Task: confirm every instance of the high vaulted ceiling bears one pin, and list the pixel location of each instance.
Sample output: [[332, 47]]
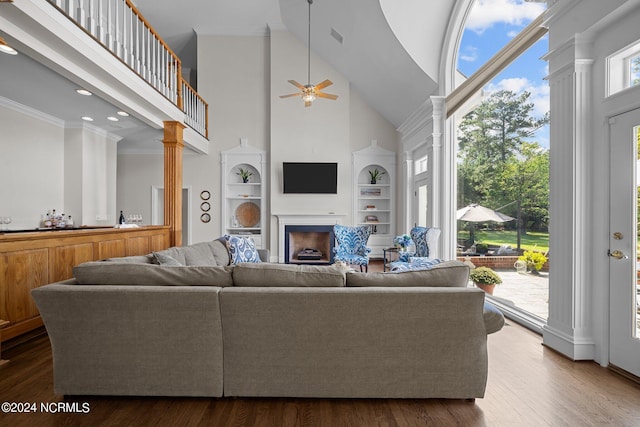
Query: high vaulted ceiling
[[391, 51]]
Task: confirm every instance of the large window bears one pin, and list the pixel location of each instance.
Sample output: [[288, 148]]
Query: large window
[[503, 161], [623, 69]]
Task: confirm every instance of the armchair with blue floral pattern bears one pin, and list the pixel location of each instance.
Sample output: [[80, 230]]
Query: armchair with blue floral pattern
[[425, 239], [351, 245]]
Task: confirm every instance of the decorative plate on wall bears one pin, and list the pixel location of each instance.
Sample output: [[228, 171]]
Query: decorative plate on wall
[[205, 217], [248, 214], [205, 195]]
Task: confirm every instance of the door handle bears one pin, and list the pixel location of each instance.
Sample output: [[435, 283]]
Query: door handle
[[617, 254]]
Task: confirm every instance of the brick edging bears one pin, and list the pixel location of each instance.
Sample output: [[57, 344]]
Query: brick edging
[[497, 262]]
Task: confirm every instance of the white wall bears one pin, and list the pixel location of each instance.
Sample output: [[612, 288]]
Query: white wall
[[45, 165], [320, 133], [90, 175], [582, 35], [241, 77], [137, 173], [31, 167]]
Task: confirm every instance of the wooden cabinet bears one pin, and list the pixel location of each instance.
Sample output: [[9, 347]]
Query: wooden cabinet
[[29, 260]]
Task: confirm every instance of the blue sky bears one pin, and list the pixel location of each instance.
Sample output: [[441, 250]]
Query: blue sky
[[490, 26]]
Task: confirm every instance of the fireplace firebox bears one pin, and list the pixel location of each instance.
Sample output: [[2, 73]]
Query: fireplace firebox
[[308, 244]]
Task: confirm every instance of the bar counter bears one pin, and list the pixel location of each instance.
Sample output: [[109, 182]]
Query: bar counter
[[32, 258]]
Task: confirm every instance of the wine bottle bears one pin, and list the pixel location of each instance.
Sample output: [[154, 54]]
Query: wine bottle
[[122, 220]]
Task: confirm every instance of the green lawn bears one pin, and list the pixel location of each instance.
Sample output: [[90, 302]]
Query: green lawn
[[531, 240]]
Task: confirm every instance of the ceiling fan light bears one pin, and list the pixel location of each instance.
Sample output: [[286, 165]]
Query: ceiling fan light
[[309, 97], [5, 48]]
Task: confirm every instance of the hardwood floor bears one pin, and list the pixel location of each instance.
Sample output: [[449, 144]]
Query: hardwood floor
[[529, 385]]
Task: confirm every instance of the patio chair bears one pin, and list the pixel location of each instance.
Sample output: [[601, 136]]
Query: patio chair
[[351, 245]]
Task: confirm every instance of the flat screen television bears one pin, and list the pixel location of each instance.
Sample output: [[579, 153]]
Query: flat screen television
[[310, 178]]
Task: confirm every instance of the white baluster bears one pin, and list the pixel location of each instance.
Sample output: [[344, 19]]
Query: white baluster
[[109, 41], [145, 38], [130, 18], [91, 23], [81, 14]]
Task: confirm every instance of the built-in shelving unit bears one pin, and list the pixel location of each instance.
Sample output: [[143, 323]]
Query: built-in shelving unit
[[374, 203], [244, 203]]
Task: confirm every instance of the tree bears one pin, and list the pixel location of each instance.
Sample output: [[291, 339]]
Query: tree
[[498, 164]]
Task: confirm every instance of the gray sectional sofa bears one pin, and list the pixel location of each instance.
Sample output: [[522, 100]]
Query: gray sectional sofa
[[200, 327]]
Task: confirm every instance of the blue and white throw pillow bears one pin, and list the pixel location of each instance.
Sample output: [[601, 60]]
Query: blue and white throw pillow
[[418, 261], [242, 249], [421, 264]]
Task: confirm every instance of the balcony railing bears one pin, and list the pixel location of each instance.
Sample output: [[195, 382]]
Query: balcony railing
[[120, 28]]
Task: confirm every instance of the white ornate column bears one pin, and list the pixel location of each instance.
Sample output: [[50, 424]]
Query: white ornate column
[[443, 178], [567, 329], [407, 199]]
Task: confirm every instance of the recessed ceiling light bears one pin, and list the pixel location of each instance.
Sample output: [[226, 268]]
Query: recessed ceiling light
[[113, 119], [87, 119], [123, 113], [83, 92]]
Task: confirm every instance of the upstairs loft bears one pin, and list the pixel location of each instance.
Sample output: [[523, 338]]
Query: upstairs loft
[[108, 48]]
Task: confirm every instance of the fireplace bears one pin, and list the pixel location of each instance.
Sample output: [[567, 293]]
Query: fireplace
[[308, 244], [310, 231]]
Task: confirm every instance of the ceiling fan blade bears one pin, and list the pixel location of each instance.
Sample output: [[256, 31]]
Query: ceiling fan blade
[[290, 95], [296, 84], [324, 84], [327, 95]]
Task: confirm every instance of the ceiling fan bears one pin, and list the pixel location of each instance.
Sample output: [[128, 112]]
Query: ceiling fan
[[309, 92]]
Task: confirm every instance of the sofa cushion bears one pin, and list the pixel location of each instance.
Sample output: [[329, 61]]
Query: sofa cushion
[[203, 253], [287, 275], [112, 273], [445, 274], [164, 259], [135, 259], [242, 249]]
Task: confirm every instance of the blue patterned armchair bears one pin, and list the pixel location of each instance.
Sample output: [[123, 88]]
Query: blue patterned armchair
[[351, 245], [425, 239]]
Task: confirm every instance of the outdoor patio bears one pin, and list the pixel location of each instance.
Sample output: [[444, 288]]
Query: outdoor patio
[[524, 290]]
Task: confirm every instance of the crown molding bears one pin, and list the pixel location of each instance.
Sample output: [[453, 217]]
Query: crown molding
[[112, 137], [31, 112]]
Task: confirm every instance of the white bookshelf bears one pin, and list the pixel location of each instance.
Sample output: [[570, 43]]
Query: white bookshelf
[[374, 204], [243, 210]]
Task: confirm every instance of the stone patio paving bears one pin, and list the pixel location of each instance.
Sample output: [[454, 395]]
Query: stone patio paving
[[526, 291]]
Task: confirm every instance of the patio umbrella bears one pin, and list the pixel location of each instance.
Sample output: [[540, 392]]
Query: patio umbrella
[[477, 213]]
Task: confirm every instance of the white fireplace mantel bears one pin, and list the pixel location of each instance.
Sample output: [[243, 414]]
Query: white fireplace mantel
[[303, 219]]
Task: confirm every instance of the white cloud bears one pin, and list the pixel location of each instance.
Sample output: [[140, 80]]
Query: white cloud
[[469, 54], [539, 93], [486, 13]]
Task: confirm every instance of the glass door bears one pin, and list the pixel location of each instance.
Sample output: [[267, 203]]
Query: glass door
[[420, 205], [623, 243]]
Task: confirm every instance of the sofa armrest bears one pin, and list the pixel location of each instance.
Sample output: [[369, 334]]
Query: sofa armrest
[[493, 318]]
